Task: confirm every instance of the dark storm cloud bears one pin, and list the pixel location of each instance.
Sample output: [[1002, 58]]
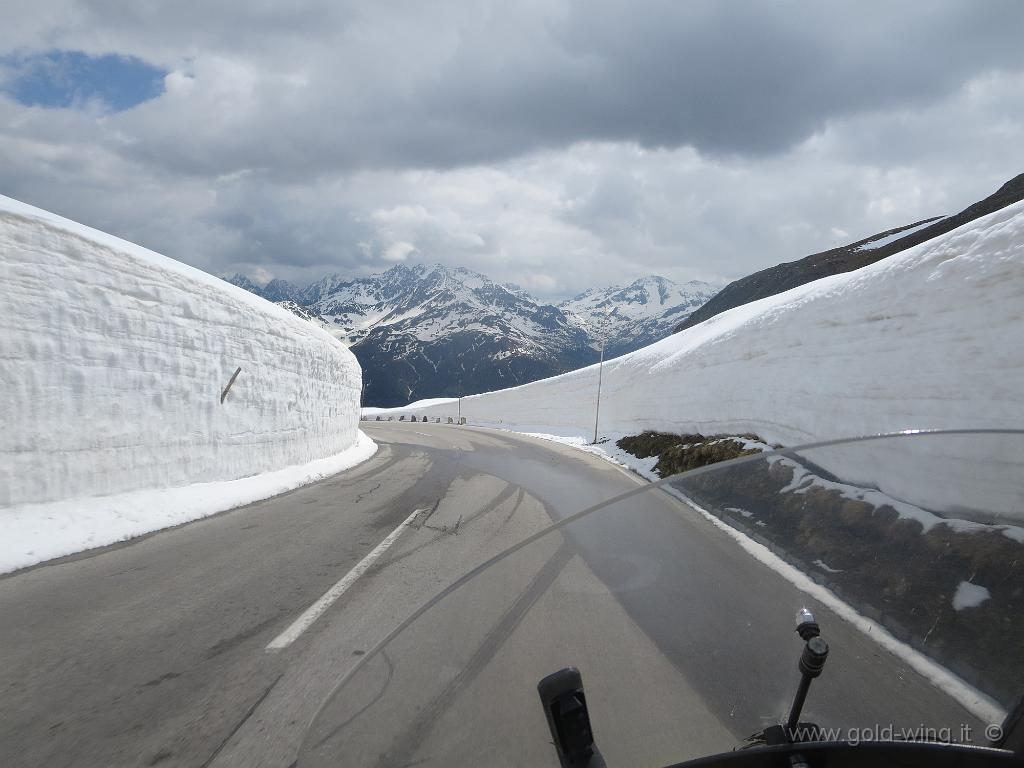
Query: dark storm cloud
[[396, 85], [314, 235], [736, 77]]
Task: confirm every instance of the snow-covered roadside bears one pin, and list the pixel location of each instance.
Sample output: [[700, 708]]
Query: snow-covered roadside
[[429, 402], [978, 703], [606, 448], [119, 371], [35, 533], [140, 393], [803, 480]]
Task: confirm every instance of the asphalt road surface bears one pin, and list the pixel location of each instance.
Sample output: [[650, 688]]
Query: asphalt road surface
[[156, 652]]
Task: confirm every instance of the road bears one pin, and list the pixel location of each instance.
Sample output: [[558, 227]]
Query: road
[[155, 652]]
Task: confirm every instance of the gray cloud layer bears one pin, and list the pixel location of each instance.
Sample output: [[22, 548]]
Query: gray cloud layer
[[559, 144]]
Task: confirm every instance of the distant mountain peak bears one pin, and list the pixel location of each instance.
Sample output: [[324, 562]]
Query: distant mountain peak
[[421, 329], [278, 290], [514, 288], [638, 313], [242, 281]]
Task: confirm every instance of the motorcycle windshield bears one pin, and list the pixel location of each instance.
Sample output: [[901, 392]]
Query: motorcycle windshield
[[677, 602]]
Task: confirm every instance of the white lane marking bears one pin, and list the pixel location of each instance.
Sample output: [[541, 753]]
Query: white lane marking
[[420, 433], [311, 614]]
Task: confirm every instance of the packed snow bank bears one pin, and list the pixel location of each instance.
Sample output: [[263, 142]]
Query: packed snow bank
[[428, 403], [927, 338], [35, 533], [114, 362]]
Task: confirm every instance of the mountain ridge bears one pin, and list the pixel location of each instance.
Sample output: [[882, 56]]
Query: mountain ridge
[[846, 258], [636, 312], [431, 330]]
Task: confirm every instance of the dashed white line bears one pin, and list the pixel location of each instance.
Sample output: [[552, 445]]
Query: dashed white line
[[311, 614]]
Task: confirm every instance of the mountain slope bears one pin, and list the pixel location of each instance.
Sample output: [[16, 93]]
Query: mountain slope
[[637, 314], [278, 291], [434, 331], [244, 282], [847, 258], [303, 312]]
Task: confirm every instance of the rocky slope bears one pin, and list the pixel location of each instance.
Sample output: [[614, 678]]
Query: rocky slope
[[635, 315], [782, 277], [435, 331]]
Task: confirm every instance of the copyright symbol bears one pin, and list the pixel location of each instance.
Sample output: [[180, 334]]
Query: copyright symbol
[[993, 732]]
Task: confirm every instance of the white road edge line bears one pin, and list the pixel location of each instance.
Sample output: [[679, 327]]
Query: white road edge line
[[316, 610], [974, 701]]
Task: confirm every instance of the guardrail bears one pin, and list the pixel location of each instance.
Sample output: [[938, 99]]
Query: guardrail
[[417, 420]]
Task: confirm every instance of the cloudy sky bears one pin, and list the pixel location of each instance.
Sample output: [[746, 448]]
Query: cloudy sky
[[559, 144]]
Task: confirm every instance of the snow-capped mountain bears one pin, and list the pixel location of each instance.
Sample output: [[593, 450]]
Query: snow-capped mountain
[[282, 293], [304, 312], [635, 315], [279, 291], [244, 282], [430, 331]]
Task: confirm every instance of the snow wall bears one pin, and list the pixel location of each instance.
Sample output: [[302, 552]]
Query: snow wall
[[930, 338], [114, 359]]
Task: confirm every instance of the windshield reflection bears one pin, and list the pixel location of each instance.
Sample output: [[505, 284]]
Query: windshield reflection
[[905, 548]]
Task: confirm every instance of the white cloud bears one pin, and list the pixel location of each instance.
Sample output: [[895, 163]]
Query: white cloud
[[262, 276], [397, 252], [178, 85]]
